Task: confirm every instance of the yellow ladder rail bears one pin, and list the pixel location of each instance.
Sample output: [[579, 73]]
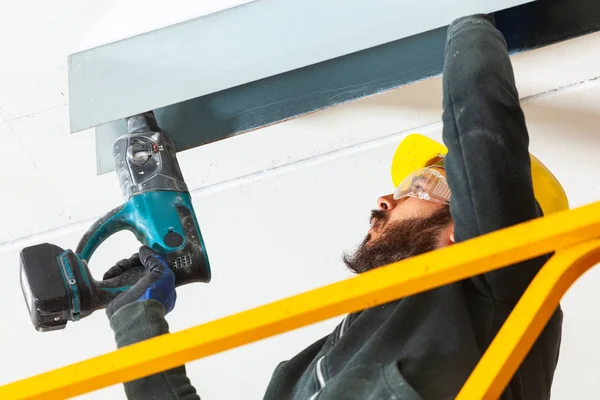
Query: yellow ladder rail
[[527, 320], [557, 232]]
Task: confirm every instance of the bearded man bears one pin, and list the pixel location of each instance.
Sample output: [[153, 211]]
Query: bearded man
[[423, 346]]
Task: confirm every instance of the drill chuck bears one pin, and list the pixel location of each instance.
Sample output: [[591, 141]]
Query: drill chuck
[[145, 160]]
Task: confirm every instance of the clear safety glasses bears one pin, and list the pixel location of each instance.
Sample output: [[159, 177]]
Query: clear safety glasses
[[426, 184]]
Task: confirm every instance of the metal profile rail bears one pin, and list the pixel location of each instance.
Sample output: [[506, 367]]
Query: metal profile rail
[[574, 236]]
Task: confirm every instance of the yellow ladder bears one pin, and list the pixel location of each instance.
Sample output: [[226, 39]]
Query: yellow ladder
[[573, 236]]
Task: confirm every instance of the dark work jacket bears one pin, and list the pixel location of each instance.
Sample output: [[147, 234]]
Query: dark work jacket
[[423, 346]]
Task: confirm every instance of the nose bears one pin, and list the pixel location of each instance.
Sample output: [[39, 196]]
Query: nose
[[386, 202]]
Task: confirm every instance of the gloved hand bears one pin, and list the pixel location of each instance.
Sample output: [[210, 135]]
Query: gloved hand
[[158, 283]]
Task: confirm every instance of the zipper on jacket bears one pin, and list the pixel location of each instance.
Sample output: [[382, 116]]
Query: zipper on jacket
[[343, 327], [319, 366], [320, 377]]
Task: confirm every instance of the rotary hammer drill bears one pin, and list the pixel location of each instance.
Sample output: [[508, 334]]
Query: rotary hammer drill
[[57, 283]]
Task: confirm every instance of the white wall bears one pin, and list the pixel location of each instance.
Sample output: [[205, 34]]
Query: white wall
[[277, 206]]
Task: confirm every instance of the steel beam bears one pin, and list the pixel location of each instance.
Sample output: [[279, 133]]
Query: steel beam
[[261, 67], [238, 45]]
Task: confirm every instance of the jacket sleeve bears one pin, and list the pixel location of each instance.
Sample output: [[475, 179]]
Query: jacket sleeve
[[140, 321], [488, 166]]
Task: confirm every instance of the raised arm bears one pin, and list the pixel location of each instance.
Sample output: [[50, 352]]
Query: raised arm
[[139, 314], [488, 165]]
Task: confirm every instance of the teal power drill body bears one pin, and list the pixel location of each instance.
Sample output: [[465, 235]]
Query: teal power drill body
[[57, 284]]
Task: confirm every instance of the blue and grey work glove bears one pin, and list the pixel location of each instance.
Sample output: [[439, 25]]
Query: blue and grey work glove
[[158, 283]]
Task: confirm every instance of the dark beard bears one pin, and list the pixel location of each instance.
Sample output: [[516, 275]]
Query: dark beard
[[398, 241]]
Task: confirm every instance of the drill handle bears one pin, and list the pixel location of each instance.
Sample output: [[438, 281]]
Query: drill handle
[[113, 221], [107, 290]]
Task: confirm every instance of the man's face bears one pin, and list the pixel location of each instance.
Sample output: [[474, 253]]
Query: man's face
[[402, 229]]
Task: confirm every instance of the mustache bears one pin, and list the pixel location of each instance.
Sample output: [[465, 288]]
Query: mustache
[[378, 215]]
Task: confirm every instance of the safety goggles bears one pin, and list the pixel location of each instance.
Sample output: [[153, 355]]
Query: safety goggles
[[426, 184]]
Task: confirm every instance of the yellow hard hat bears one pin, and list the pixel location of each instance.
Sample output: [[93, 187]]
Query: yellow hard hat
[[418, 151]]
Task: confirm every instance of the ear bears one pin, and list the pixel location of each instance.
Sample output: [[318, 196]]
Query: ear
[[450, 233], [447, 235]]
